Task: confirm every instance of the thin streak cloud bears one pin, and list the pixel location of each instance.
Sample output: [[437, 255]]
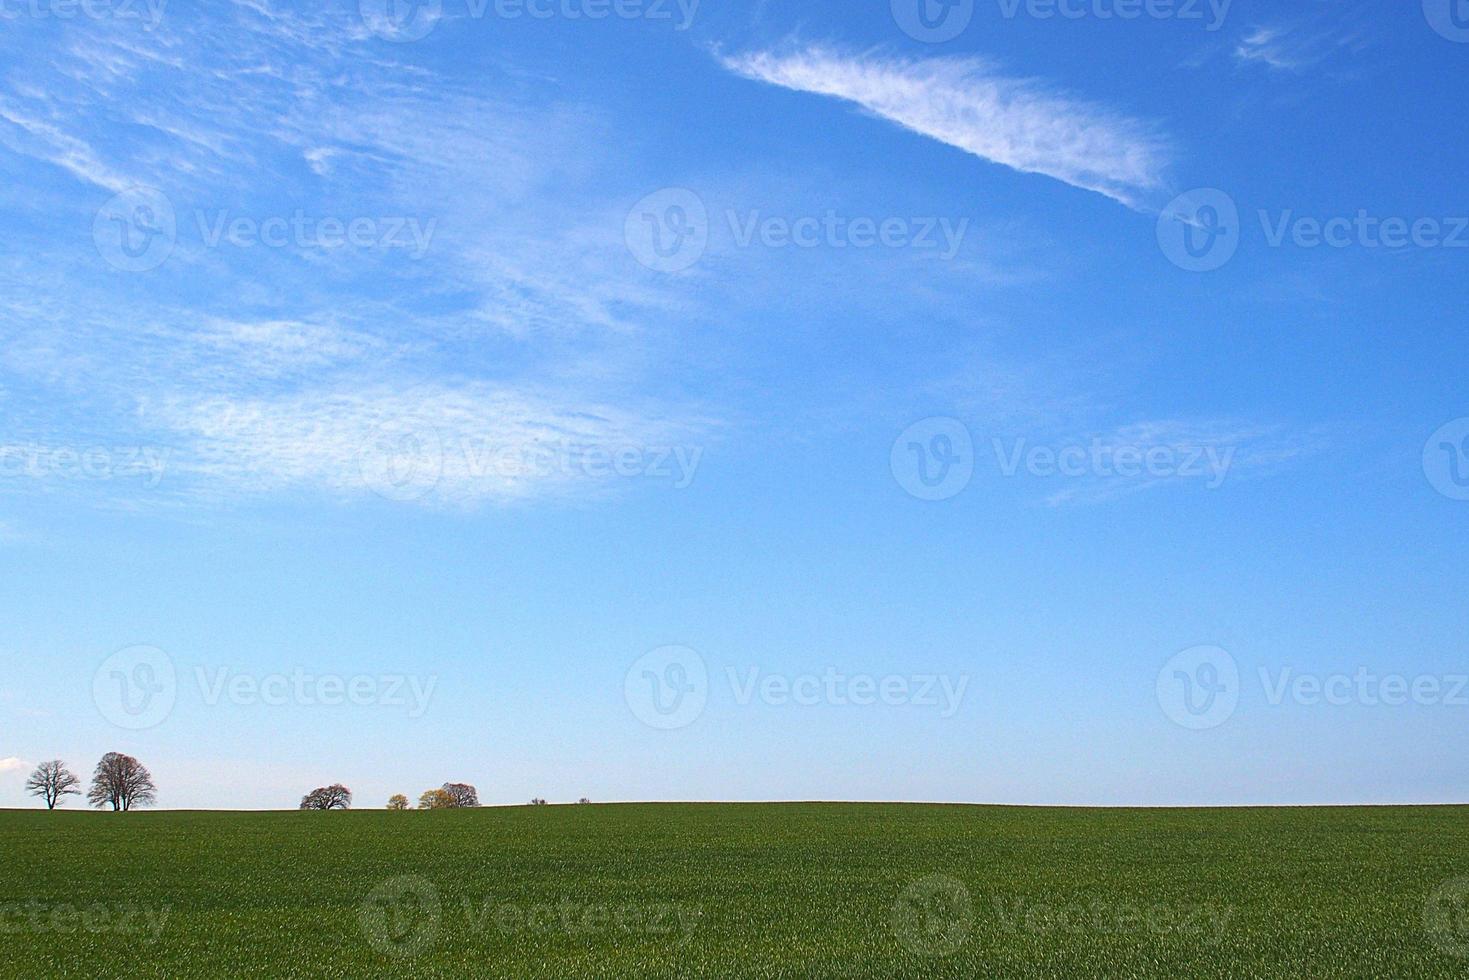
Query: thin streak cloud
[[964, 103]]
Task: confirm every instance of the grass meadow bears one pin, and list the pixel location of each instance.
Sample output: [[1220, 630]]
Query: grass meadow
[[779, 890]]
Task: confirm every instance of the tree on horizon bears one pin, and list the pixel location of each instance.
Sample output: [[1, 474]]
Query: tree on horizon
[[122, 782], [333, 797], [52, 781]]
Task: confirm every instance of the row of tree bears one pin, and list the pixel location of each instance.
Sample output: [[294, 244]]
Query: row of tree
[[122, 782], [450, 796], [447, 797], [119, 781]]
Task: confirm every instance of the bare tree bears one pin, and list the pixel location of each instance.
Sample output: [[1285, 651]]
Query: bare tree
[[538, 802], [51, 781], [463, 794], [333, 797], [583, 801], [397, 802], [121, 782], [436, 799]]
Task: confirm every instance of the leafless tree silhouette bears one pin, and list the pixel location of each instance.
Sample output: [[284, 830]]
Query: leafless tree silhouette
[[121, 782], [333, 797], [462, 793], [51, 781]]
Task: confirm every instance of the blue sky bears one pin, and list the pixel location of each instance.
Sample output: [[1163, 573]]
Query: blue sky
[[994, 402]]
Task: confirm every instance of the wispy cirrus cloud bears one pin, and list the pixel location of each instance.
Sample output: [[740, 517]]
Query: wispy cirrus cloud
[[36, 137], [1298, 47], [1150, 454], [501, 367], [968, 104], [438, 444]]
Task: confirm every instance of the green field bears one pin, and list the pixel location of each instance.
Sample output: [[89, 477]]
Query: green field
[[737, 890]]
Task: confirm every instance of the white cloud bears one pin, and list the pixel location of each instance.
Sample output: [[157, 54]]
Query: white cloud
[[1207, 453], [434, 445], [269, 348], [1297, 48], [38, 138], [13, 764], [261, 370], [966, 104]]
